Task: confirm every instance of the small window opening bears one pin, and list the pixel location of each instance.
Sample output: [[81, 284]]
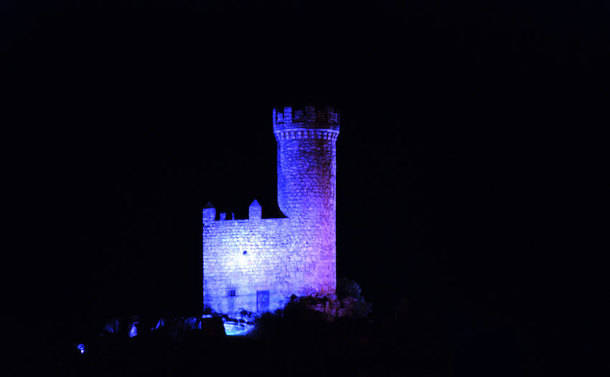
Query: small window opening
[[245, 252], [232, 293]]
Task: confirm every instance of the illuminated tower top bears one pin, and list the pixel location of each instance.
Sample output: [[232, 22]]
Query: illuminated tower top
[[288, 120], [306, 166]]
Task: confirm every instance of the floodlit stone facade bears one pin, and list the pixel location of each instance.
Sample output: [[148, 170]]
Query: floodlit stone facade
[[258, 263]]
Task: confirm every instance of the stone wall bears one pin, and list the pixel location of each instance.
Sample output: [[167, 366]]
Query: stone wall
[[307, 164], [245, 256], [244, 260]]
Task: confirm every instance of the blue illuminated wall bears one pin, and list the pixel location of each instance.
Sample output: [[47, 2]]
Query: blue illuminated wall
[[257, 264]]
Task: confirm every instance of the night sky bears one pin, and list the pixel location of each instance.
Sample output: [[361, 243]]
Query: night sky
[[461, 162]]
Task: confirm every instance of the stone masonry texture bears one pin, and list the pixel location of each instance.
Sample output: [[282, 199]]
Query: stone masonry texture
[[258, 263]]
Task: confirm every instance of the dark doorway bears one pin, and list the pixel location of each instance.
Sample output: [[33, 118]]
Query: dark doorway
[[262, 301]]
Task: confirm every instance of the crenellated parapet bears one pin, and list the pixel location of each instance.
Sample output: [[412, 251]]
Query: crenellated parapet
[[288, 119], [208, 213]]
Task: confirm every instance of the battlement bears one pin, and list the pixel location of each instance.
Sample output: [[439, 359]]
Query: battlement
[[288, 119]]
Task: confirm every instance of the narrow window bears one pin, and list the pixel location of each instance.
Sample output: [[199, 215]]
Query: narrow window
[[231, 300]]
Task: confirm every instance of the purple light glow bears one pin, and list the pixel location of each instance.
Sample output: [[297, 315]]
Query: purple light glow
[[134, 330]]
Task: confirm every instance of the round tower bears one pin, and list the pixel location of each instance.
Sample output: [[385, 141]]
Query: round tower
[[306, 174]]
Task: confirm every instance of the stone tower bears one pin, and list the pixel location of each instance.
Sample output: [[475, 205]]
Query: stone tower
[[306, 175], [257, 263]]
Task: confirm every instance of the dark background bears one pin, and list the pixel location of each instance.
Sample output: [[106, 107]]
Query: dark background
[[464, 158]]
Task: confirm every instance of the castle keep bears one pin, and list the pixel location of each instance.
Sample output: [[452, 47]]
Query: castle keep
[[258, 263]]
